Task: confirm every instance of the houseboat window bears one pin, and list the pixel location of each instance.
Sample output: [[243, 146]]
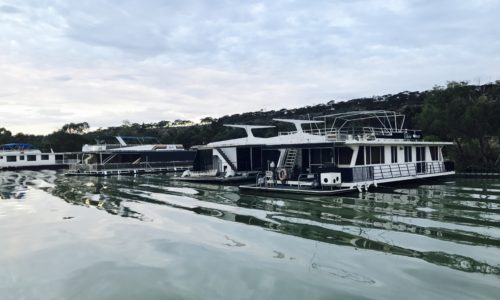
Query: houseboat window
[[360, 159], [420, 153], [434, 152], [375, 155], [21, 157], [31, 157], [315, 157], [394, 154], [408, 157], [327, 156], [243, 159], [45, 157], [11, 158], [343, 155]]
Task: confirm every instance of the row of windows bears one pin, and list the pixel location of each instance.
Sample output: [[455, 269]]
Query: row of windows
[[376, 154], [13, 158]]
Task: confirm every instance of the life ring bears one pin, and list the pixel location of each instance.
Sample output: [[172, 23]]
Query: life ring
[[282, 174]]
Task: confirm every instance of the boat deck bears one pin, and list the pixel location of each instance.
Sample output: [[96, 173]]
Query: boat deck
[[127, 171]]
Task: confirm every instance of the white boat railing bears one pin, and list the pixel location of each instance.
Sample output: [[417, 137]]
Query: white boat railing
[[388, 171], [359, 134], [81, 168]]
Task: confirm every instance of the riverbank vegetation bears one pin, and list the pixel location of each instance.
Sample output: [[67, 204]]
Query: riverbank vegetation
[[468, 115]]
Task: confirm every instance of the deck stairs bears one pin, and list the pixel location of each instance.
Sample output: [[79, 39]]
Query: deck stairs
[[108, 159], [290, 158], [228, 161]]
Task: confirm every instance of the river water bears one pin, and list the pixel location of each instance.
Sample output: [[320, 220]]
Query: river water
[[149, 237]]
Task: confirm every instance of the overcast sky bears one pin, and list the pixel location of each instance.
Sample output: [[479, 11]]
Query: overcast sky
[[145, 61]]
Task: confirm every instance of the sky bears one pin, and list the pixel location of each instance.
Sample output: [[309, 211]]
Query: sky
[[107, 61]]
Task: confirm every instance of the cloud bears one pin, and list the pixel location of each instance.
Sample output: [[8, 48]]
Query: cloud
[[106, 61], [9, 9]]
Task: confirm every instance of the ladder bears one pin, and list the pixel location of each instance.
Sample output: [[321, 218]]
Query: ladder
[[290, 158]]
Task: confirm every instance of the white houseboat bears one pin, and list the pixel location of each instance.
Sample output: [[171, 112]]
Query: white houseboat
[[16, 156], [335, 153], [131, 155]]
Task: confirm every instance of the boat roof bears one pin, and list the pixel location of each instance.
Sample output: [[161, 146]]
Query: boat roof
[[15, 146]]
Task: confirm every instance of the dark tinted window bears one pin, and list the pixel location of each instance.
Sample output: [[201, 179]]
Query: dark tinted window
[[375, 155], [434, 152], [360, 159], [394, 154], [343, 155], [408, 157]]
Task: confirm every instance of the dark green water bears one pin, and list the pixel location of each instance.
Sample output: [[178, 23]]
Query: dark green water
[[151, 238]]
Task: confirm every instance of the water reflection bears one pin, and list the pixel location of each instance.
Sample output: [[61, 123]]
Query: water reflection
[[460, 217]]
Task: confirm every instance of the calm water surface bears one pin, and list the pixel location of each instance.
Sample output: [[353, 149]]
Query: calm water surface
[[151, 238]]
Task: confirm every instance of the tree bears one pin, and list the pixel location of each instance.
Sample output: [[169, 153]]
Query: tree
[[75, 128], [179, 122], [207, 120], [5, 135]]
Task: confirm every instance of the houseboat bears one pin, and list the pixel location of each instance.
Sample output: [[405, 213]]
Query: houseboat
[[131, 155], [15, 156], [330, 154]]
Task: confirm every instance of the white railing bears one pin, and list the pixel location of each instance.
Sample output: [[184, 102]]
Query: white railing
[[358, 134], [126, 166], [407, 169]]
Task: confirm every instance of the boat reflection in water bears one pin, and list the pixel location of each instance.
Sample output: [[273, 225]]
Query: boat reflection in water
[[456, 217]]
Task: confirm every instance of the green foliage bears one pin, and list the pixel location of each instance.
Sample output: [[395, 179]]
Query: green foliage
[[75, 128], [5, 136], [469, 116]]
